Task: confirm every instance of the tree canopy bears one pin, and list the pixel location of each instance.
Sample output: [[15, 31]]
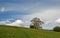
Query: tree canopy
[[36, 23]]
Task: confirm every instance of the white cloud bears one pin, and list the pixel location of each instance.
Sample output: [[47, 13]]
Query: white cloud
[[17, 23], [2, 9], [4, 22], [45, 14], [57, 21]]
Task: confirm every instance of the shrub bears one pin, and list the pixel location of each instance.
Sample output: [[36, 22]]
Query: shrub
[[31, 26], [57, 29]]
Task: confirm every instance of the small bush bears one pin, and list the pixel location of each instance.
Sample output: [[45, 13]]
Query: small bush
[[31, 26], [57, 29]]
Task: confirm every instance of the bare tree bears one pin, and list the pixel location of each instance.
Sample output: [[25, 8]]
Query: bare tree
[[36, 23]]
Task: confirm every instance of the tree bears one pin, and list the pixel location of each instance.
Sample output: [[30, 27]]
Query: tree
[[36, 23], [57, 29]]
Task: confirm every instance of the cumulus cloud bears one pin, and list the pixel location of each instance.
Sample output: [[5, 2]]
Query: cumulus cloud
[[2, 9], [17, 23], [57, 21], [4, 22]]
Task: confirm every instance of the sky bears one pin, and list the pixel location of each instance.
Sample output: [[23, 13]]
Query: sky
[[16, 12]]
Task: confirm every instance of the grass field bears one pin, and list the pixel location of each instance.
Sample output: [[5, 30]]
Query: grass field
[[19, 32]]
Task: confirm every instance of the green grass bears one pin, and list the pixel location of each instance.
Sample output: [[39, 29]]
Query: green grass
[[19, 32]]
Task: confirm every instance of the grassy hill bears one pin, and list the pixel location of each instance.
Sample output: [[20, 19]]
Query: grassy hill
[[19, 32]]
